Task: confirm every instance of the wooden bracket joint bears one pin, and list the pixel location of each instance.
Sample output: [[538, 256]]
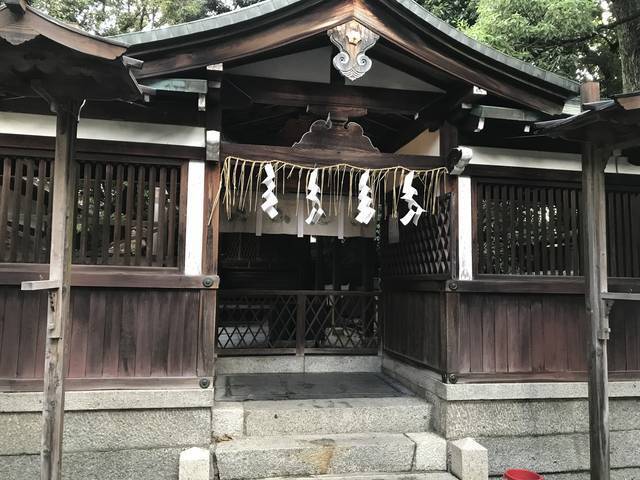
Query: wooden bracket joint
[[36, 285], [604, 331]]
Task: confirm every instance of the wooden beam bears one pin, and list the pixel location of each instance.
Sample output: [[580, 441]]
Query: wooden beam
[[594, 233], [273, 31], [34, 285], [58, 312], [301, 94], [322, 157]]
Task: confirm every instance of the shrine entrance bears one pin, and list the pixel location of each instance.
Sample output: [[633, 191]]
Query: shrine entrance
[[300, 233], [288, 295]]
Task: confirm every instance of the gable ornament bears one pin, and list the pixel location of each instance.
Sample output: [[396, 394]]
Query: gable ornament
[[353, 40]]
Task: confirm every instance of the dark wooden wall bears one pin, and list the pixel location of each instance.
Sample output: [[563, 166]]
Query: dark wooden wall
[[133, 334], [412, 327], [136, 320], [535, 336]]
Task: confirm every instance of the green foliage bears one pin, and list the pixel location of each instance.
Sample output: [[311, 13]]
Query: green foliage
[[459, 13], [538, 31], [110, 17]]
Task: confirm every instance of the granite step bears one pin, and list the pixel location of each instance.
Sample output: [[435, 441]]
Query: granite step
[[297, 417], [305, 455], [376, 476]]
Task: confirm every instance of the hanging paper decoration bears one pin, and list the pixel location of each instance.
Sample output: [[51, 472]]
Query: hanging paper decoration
[[365, 201], [270, 199], [312, 195], [408, 192], [372, 187]]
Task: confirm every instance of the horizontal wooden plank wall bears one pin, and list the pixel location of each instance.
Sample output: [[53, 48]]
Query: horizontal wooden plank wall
[[529, 336], [115, 333]]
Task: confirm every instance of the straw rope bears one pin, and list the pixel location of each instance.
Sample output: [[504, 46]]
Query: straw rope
[[236, 190]]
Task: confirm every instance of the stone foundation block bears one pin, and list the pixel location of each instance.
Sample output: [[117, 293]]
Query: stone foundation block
[[227, 420], [468, 460], [350, 363], [431, 451], [349, 415], [194, 464], [304, 455]]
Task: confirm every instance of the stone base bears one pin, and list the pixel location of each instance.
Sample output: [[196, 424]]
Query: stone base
[[108, 435], [291, 364], [536, 426]]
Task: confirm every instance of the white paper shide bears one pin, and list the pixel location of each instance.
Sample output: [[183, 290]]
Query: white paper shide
[[408, 192], [313, 190], [269, 197], [365, 202]]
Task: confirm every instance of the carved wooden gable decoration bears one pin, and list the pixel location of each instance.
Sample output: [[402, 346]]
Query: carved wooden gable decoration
[[353, 40]]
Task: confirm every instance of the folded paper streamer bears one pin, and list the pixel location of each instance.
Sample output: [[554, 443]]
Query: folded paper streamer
[[365, 201], [240, 187], [408, 192], [270, 199], [312, 195]]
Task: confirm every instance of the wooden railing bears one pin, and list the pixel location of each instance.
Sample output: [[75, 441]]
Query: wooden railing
[[297, 322]]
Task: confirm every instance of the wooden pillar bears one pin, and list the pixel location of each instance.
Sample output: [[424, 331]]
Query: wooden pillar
[[209, 218], [59, 297], [594, 229]]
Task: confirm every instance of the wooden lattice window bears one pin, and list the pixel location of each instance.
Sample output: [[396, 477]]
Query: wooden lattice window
[[25, 209], [534, 229], [527, 229], [127, 212], [420, 250], [623, 231]]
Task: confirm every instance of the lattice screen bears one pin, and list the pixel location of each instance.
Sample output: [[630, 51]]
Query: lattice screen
[[126, 214], [423, 249], [25, 209], [534, 229]]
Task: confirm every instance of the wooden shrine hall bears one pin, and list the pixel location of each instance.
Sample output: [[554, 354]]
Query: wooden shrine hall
[[306, 186]]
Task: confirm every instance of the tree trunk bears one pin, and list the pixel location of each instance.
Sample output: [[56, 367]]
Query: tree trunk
[[629, 39]]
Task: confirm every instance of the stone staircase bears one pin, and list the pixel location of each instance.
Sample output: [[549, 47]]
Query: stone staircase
[[355, 439]]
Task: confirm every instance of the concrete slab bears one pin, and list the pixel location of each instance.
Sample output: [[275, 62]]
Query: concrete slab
[[301, 386], [349, 415], [260, 457]]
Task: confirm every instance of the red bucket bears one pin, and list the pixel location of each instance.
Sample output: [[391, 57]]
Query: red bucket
[[515, 474]]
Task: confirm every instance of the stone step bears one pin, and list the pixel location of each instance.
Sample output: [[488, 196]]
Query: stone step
[[304, 455], [298, 417], [376, 476]]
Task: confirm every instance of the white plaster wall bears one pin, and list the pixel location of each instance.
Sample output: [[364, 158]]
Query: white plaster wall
[[427, 143], [92, 129]]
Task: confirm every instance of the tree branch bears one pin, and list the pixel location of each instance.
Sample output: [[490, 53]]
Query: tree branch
[[597, 31]]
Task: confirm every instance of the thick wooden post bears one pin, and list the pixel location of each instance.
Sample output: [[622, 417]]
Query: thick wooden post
[[210, 220], [58, 312], [594, 230]]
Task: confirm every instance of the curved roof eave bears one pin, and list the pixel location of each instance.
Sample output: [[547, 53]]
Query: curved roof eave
[[205, 24], [269, 6]]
